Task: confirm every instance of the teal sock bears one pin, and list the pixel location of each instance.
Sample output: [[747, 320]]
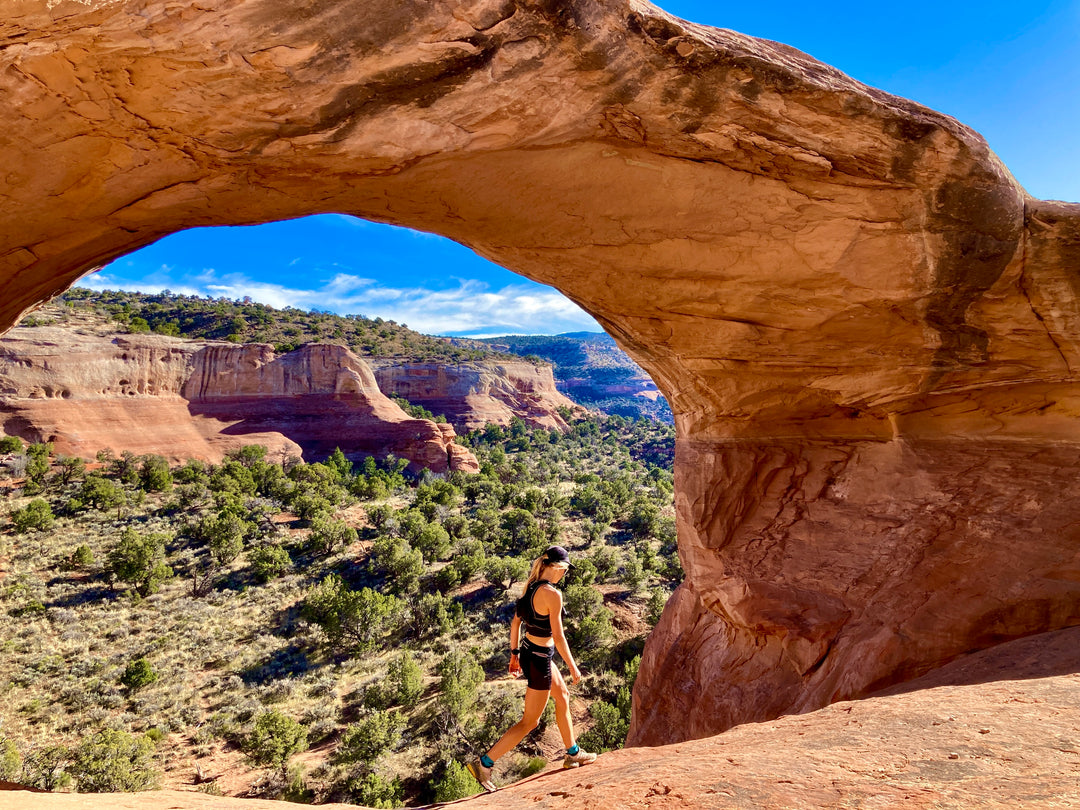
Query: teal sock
[[573, 750], [488, 762]]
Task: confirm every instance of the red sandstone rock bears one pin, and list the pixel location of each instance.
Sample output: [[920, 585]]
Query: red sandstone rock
[[475, 394], [183, 399], [867, 331]]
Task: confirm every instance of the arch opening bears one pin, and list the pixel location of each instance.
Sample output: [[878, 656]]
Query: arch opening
[[864, 326]]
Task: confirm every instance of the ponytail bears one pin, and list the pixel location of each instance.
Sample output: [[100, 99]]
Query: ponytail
[[538, 566]]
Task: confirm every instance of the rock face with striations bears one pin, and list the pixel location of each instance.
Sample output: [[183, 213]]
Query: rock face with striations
[[475, 394], [869, 334], [183, 399]]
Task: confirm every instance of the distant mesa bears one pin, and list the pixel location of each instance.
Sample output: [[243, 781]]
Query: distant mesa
[[200, 399]]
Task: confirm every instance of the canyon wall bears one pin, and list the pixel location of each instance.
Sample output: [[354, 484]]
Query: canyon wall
[[866, 329], [475, 394], [195, 399]]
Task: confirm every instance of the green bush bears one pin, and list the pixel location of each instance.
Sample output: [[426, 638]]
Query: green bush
[[114, 762], [139, 560], [10, 761], [405, 680], [269, 562], [350, 618], [455, 783], [274, 739], [328, 534], [11, 444], [608, 731], [155, 475], [45, 768], [369, 738], [372, 790], [138, 674], [36, 515], [82, 557], [461, 677], [503, 572]]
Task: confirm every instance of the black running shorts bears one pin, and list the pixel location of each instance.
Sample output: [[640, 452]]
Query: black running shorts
[[535, 663]]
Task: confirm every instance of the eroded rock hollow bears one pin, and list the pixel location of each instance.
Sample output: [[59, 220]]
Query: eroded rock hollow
[[866, 329]]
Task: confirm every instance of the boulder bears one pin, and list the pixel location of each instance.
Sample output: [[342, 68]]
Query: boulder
[[865, 328]]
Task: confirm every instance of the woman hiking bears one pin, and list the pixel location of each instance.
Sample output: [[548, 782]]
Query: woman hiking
[[540, 611]]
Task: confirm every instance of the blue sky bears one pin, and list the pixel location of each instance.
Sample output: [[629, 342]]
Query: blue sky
[[1007, 69]]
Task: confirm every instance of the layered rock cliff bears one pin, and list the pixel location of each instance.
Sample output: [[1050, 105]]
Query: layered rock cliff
[[184, 399], [866, 329], [472, 395]]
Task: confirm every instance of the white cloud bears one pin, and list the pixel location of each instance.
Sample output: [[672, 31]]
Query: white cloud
[[470, 308]]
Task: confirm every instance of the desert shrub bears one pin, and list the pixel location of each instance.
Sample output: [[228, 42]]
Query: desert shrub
[[154, 474], [401, 564], [82, 557], [500, 712], [404, 681], [139, 560], [274, 738], [373, 790], [137, 674], [657, 601], [10, 761], [350, 618], [69, 468], [269, 562], [606, 561], [101, 493], [193, 472], [328, 534], [632, 573], [369, 738], [609, 728], [224, 533], [45, 768], [460, 679], [469, 560], [503, 572], [429, 615], [433, 541], [455, 783], [378, 515], [36, 515], [11, 444], [644, 518], [114, 762], [523, 533]]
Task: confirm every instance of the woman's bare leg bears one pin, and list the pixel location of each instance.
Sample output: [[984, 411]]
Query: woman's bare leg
[[535, 701], [562, 706]]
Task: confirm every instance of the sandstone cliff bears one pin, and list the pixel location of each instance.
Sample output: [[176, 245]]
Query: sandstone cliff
[[472, 395], [869, 334], [181, 399]]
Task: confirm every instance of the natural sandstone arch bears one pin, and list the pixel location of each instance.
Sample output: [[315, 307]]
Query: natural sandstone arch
[[865, 327]]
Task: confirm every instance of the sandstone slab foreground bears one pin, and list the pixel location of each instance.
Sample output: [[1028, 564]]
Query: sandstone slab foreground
[[868, 332]]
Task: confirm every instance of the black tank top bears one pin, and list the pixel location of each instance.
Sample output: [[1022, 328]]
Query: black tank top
[[535, 624]]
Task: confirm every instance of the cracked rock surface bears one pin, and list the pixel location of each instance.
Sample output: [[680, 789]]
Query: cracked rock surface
[[867, 330]]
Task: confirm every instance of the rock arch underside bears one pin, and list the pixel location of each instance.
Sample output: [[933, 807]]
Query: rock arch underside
[[865, 327]]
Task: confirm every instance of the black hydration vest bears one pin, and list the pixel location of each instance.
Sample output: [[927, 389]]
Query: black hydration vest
[[535, 624]]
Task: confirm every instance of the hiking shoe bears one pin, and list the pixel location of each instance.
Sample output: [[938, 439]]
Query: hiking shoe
[[582, 757], [482, 774]]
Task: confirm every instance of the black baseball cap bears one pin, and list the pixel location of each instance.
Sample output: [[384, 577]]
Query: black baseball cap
[[556, 555]]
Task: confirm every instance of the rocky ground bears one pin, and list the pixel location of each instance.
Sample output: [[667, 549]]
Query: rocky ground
[[999, 728]]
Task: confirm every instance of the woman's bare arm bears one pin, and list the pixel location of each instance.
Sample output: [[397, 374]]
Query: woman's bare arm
[[515, 643]]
